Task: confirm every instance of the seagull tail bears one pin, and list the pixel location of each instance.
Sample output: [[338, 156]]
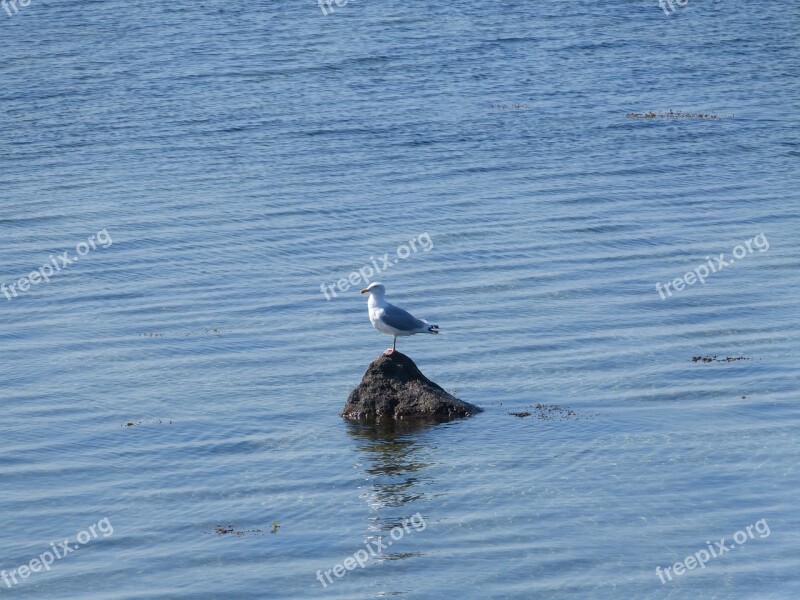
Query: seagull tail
[[433, 329]]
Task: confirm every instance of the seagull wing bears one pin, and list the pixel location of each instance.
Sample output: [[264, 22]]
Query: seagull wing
[[401, 319]]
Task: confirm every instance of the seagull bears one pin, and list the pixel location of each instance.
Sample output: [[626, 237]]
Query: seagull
[[390, 319]]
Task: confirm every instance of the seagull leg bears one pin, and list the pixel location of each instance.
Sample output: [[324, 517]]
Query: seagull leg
[[390, 351]]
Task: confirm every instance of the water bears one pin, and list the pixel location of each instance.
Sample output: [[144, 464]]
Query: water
[[241, 155]]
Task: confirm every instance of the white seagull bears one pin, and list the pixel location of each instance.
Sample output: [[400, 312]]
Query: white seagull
[[390, 319]]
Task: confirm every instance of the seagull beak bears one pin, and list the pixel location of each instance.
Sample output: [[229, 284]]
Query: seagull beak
[[365, 291]]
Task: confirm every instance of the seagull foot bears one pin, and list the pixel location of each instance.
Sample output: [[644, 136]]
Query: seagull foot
[[388, 351]]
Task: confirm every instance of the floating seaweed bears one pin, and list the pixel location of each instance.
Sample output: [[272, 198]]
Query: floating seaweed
[[154, 422], [214, 331], [672, 114], [231, 530], [709, 359], [548, 412]]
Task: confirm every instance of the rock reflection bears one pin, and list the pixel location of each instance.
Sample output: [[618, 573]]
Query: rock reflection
[[395, 467]]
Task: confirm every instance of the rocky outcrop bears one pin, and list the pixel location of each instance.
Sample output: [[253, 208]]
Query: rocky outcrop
[[393, 387]]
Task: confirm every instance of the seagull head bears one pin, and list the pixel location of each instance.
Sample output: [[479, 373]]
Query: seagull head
[[376, 287]]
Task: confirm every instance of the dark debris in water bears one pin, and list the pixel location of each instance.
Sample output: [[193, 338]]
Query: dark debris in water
[[213, 331], [512, 106], [549, 412], [231, 530], [709, 359], [673, 114], [156, 422]]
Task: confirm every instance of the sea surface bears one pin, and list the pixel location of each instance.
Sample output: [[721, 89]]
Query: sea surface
[[170, 400]]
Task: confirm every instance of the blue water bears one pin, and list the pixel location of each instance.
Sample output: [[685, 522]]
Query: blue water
[[236, 156]]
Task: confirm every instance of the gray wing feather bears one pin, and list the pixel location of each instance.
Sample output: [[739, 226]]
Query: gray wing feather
[[401, 319]]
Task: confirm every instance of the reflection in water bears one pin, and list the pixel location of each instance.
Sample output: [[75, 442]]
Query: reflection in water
[[395, 468]]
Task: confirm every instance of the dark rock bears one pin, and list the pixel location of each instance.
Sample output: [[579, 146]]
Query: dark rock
[[393, 387]]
